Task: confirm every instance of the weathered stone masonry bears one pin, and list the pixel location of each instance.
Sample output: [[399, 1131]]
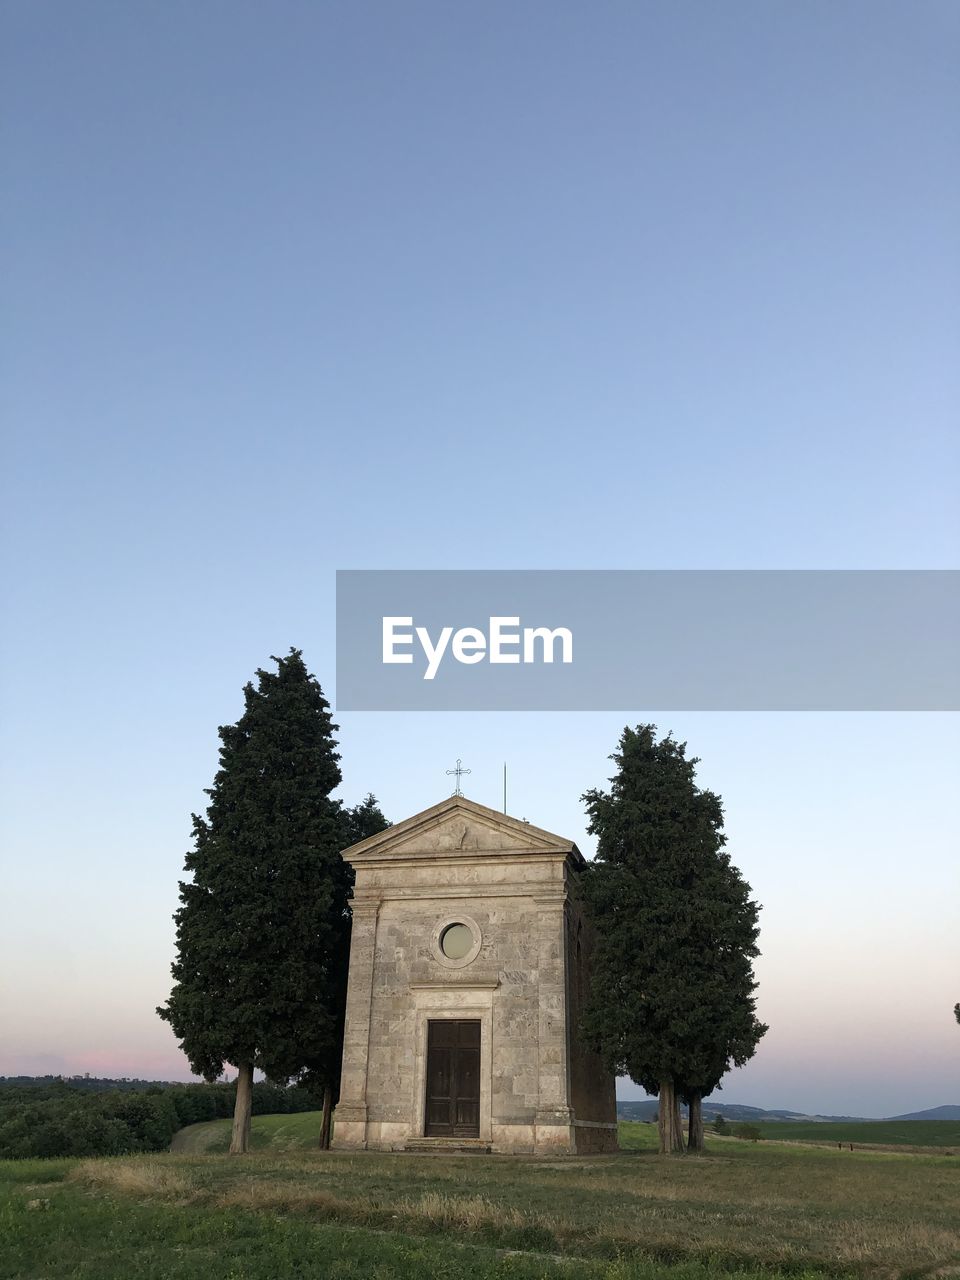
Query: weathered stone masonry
[[516, 976]]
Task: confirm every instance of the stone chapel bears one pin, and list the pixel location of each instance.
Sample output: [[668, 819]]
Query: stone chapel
[[468, 963]]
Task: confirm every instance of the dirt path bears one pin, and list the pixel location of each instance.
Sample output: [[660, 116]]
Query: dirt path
[[194, 1139]]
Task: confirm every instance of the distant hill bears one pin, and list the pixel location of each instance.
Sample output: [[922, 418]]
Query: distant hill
[[646, 1109], [88, 1083], [934, 1113]]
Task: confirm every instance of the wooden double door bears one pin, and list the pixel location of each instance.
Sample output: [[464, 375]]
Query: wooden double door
[[453, 1079]]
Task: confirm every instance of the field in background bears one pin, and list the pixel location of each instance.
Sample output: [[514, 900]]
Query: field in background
[[914, 1133], [748, 1210]]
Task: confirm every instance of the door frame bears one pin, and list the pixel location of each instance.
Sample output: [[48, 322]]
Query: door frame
[[434, 1002], [455, 1091]]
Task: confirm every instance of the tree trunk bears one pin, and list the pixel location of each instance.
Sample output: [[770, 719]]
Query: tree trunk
[[240, 1138], [325, 1123], [677, 1122], [668, 1120], [695, 1125]]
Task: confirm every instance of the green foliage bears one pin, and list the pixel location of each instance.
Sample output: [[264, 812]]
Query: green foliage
[[263, 929], [363, 820], [720, 1125], [749, 1132], [64, 1119], [671, 996]]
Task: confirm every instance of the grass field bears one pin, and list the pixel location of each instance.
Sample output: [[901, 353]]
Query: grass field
[[914, 1133], [275, 1133], [746, 1210]]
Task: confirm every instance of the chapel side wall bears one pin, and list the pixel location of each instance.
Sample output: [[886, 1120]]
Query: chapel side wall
[[593, 1094], [351, 1113]]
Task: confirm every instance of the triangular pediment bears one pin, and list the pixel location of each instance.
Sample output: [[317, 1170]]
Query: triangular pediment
[[458, 826]]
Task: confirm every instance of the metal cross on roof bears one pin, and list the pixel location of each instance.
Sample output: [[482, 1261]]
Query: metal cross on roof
[[457, 773]]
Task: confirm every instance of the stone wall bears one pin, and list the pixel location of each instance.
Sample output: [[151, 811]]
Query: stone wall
[[519, 983]]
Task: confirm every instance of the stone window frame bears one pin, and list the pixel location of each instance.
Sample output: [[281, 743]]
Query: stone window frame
[[471, 955]]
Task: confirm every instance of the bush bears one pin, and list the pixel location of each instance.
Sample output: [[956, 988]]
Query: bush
[[749, 1132], [58, 1118], [720, 1125]]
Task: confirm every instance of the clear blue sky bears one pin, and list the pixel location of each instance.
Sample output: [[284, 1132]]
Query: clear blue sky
[[311, 286]]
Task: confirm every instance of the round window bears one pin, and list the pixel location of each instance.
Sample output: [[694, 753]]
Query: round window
[[455, 941]]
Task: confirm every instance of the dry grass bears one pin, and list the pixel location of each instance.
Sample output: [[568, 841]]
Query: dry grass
[[139, 1177], [292, 1197], [767, 1206], [435, 1209], [469, 1213]]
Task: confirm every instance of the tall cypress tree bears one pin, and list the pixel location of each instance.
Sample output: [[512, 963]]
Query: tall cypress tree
[[719, 950], [671, 999], [322, 1075], [363, 820], [263, 928]]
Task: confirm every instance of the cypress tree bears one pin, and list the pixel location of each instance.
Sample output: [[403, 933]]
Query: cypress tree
[[721, 944], [263, 926], [671, 1000], [322, 1075], [363, 820]]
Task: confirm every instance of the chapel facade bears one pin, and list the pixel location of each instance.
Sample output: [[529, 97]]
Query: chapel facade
[[469, 960]]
